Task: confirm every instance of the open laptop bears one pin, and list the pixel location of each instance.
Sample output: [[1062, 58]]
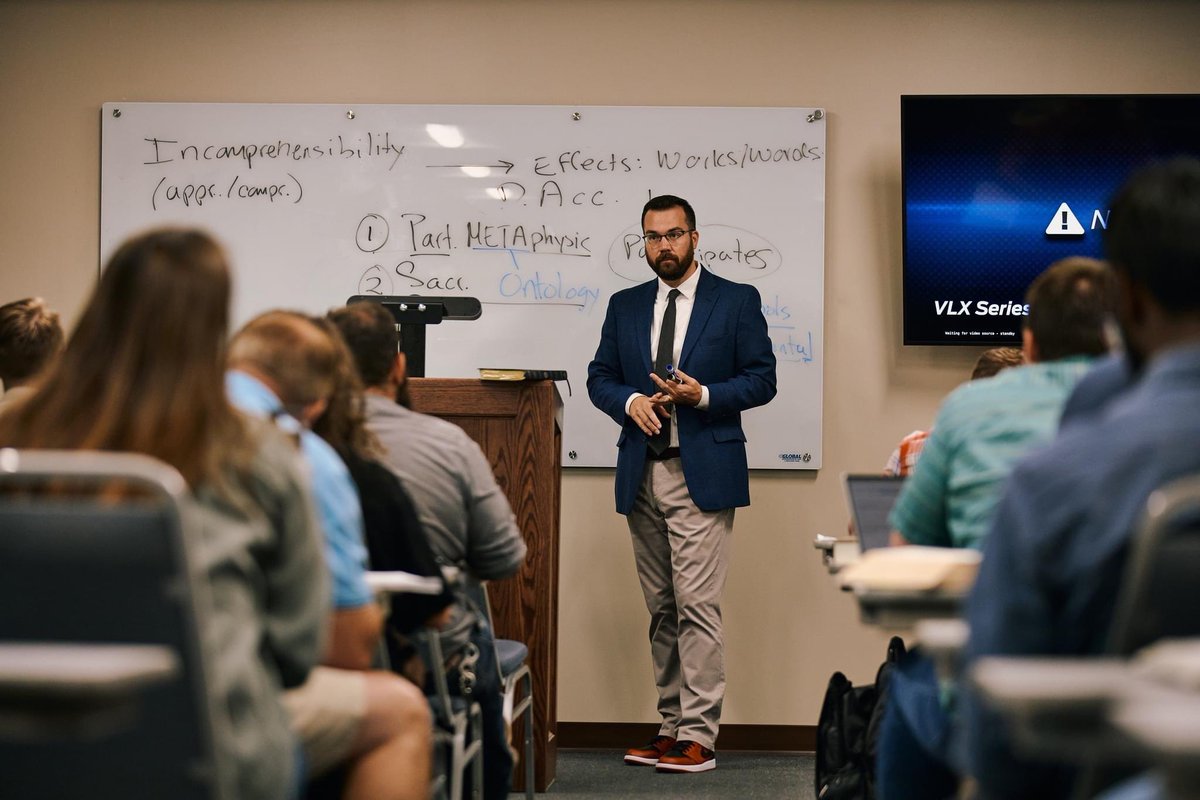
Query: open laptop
[[871, 497]]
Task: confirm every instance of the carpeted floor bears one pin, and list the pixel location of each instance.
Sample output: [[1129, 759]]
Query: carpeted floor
[[587, 774]]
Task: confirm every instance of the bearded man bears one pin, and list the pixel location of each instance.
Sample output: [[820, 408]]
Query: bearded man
[[680, 358]]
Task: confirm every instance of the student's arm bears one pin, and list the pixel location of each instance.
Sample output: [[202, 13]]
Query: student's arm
[[354, 637], [495, 546], [919, 515], [294, 571]]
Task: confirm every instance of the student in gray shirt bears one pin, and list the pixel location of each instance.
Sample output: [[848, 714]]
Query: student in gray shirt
[[464, 512]]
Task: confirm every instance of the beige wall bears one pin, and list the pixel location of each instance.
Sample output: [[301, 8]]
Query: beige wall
[[787, 626]]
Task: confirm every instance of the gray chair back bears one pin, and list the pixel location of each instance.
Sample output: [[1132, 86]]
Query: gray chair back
[[1160, 590], [92, 552]]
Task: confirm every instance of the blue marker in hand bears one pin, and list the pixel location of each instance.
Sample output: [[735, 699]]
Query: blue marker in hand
[[671, 374]]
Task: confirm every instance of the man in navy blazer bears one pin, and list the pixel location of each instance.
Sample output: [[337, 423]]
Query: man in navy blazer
[[680, 358]]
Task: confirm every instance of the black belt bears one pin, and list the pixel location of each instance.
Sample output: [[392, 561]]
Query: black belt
[[670, 452]]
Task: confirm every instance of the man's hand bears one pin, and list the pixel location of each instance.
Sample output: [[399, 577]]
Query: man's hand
[[645, 411], [686, 391]]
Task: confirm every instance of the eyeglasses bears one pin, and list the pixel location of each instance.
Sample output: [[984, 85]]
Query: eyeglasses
[[671, 237]]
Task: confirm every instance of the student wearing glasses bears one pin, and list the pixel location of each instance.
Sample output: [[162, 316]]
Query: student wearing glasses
[[680, 358]]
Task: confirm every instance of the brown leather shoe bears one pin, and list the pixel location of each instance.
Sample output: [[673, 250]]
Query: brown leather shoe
[[687, 756], [650, 752]]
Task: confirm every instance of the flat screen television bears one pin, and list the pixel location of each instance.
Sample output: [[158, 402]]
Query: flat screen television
[[997, 187]]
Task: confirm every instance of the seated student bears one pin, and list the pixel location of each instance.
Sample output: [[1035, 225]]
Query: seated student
[[982, 429], [30, 335], [394, 537], [1102, 384], [142, 373], [282, 367], [903, 459], [462, 508], [1060, 537]]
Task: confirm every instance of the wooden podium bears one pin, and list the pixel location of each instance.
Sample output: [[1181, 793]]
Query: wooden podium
[[519, 427]]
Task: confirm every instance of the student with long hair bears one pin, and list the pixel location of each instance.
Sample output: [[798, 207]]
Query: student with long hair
[[394, 536], [144, 373]]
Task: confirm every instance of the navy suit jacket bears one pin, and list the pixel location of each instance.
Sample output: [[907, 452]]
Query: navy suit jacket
[[726, 349]]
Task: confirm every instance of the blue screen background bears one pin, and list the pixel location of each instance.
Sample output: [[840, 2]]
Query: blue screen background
[[984, 176]]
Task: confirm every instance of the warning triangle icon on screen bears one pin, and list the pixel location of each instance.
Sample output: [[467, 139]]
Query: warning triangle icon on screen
[[1064, 223]]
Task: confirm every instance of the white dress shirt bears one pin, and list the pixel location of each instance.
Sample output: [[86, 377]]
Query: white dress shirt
[[683, 315]]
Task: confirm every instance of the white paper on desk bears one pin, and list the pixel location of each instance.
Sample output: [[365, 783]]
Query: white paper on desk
[[913, 568]]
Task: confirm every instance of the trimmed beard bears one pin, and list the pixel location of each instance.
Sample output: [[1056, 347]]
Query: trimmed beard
[[682, 264]]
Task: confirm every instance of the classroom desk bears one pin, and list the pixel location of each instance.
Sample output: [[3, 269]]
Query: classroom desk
[[836, 554], [895, 610], [892, 609], [1082, 710], [1166, 730], [943, 641], [1059, 706], [69, 690], [383, 582]]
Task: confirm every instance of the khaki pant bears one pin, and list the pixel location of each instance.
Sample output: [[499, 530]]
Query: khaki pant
[[682, 557]]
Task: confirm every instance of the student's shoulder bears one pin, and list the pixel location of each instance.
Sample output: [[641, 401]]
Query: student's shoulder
[[274, 463], [971, 399], [1069, 466]]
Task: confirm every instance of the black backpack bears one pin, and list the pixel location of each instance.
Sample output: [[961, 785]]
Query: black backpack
[[847, 731]]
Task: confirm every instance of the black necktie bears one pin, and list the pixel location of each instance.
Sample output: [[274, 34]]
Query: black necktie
[[664, 357]]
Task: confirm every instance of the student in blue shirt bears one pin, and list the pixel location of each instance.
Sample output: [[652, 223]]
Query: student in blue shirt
[[982, 429], [1058, 543], [282, 366]]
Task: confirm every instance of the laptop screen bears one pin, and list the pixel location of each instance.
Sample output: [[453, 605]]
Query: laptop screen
[[871, 498]]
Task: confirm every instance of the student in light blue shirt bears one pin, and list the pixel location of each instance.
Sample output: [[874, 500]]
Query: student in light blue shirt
[[984, 427], [282, 366], [334, 492]]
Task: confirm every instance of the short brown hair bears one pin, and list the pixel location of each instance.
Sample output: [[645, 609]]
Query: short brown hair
[[995, 360], [1069, 305], [30, 334], [369, 330], [287, 347]]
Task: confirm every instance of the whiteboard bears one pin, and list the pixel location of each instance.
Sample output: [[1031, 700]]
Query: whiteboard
[[534, 210]]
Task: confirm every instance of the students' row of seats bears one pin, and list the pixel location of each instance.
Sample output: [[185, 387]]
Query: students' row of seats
[[102, 674], [1052, 702]]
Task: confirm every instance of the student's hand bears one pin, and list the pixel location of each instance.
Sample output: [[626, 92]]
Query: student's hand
[[685, 392]]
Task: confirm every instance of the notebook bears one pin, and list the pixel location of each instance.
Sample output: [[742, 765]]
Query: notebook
[[871, 498]]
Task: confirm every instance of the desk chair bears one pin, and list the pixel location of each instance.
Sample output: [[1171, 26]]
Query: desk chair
[[92, 555], [386, 585], [1157, 599], [458, 726], [457, 721], [512, 659], [1159, 596], [1160, 593]]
